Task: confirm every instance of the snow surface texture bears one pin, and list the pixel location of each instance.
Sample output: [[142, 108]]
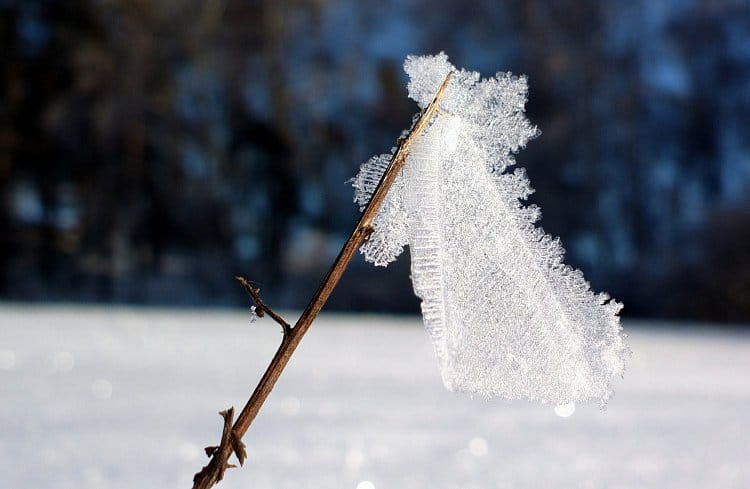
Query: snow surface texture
[[506, 316], [123, 398]]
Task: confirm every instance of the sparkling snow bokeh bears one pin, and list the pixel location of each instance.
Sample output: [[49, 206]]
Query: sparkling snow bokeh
[[135, 394]]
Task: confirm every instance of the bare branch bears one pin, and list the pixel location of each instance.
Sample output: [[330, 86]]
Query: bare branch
[[262, 307], [206, 479]]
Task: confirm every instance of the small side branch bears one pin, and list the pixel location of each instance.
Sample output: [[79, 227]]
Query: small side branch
[[230, 443], [263, 309]]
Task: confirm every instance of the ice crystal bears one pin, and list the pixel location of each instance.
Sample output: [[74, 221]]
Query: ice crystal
[[506, 317]]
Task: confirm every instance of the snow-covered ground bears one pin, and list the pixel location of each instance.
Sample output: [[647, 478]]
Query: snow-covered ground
[[126, 398]]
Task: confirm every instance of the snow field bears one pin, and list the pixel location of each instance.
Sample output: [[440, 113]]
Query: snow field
[[120, 398]]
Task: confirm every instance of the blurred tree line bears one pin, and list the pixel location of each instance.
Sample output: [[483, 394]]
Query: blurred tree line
[[150, 150]]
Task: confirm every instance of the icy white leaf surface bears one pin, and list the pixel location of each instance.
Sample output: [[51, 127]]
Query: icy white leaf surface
[[388, 241], [506, 317]]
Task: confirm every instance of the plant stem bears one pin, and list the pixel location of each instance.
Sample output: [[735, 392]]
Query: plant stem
[[213, 472]]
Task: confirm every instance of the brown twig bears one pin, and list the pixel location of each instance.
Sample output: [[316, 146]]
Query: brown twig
[[219, 455], [262, 307], [214, 471]]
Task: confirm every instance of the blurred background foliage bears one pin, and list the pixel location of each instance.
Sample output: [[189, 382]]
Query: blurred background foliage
[[151, 150]]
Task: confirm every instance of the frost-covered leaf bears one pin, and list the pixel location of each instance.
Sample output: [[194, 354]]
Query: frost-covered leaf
[[507, 318], [390, 236]]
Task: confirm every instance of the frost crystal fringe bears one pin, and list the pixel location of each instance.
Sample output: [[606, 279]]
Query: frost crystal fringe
[[506, 317]]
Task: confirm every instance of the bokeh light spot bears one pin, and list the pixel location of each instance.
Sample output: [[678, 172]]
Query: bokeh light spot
[[189, 452], [354, 459], [290, 406], [62, 362], [7, 359], [101, 389], [565, 410], [478, 447]]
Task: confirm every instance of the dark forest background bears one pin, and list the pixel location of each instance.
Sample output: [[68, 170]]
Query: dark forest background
[[151, 150]]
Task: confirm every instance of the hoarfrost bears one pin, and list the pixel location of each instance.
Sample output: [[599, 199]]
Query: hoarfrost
[[506, 317]]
